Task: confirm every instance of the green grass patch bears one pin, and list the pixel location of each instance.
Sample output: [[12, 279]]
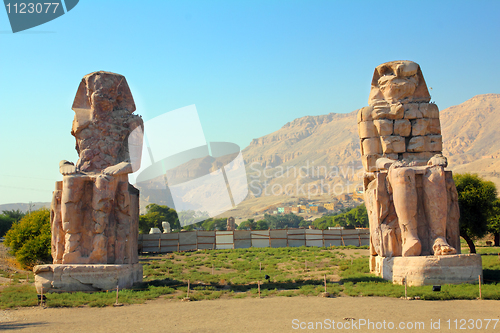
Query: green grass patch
[[18, 295], [237, 273]]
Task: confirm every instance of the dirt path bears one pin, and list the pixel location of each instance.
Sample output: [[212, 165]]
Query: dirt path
[[274, 314]]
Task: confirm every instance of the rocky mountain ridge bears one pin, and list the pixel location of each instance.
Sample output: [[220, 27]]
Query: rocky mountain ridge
[[319, 156]]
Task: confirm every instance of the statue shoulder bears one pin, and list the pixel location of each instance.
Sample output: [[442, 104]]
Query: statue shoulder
[[365, 114]]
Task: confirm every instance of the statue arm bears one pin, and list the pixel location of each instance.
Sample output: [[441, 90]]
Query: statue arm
[[67, 168], [118, 169], [384, 163]]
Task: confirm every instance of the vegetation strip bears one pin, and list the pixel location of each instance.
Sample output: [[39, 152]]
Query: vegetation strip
[[237, 272]]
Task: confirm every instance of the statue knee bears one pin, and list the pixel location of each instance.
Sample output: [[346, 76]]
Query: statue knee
[[435, 174], [402, 175]]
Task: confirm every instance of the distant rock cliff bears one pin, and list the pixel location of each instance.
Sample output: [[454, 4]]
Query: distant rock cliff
[[316, 155]]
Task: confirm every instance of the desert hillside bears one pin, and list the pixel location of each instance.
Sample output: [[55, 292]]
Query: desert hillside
[[318, 157]]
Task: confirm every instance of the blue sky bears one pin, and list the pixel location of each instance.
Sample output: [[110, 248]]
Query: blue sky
[[248, 66]]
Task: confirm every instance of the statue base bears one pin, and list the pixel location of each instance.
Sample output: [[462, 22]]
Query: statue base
[[75, 277], [429, 270]]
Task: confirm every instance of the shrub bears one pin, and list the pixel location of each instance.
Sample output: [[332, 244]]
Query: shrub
[[29, 239]]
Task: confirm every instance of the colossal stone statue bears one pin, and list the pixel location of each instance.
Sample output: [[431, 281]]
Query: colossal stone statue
[[94, 210], [411, 199], [412, 202], [97, 219]]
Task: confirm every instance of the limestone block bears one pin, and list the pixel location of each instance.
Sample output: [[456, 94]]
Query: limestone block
[[155, 231], [435, 143], [388, 111], [371, 146], [430, 270], [391, 156], [384, 126], [422, 156], [433, 127], [69, 278], [419, 127], [366, 129], [429, 110], [402, 127], [412, 111], [393, 144], [369, 162], [397, 111], [418, 144]]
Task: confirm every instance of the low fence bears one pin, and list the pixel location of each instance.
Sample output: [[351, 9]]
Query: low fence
[[243, 239]]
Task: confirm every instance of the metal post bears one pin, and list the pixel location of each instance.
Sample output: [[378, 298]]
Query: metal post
[[406, 288], [480, 295]]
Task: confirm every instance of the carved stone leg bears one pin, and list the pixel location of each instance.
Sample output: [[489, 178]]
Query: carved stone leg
[[72, 218], [123, 222], [402, 181], [102, 205], [436, 208], [57, 242]]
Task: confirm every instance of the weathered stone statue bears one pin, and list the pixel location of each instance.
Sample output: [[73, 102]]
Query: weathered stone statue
[[166, 227], [95, 211], [230, 224], [411, 200]]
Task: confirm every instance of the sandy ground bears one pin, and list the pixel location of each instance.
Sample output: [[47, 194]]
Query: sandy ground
[[273, 314]]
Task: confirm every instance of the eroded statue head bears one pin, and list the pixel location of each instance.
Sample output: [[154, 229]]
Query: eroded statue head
[[398, 82]]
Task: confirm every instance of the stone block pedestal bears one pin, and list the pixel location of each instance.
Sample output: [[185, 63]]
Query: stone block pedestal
[[429, 270], [96, 277]]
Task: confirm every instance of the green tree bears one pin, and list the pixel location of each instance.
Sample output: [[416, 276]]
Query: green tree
[[261, 225], [16, 215], [361, 216], [248, 224], [155, 215], [29, 239], [349, 219], [252, 225], [7, 218], [494, 222], [283, 221], [214, 224], [5, 224], [475, 198], [305, 224]]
